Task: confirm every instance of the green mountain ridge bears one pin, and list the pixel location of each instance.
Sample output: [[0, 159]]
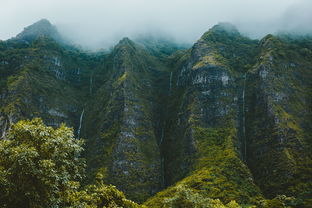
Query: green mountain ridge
[[226, 121]]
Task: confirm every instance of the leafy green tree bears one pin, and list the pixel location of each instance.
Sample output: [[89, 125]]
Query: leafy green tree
[[98, 196], [38, 165]]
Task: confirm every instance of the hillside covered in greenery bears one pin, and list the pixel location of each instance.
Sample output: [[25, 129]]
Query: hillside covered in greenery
[[224, 123]]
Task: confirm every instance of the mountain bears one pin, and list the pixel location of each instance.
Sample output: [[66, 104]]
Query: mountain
[[227, 121], [41, 28], [122, 120], [236, 116]]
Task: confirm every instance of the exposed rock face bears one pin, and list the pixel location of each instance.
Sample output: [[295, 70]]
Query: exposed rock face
[[255, 89], [127, 128], [230, 118], [212, 92], [207, 96], [277, 119]]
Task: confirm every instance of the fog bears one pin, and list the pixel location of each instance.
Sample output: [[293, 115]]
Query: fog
[[100, 23]]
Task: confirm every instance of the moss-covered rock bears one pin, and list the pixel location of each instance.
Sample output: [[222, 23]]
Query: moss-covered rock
[[278, 124], [226, 120]]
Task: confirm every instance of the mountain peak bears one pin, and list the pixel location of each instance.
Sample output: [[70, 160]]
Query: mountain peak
[[222, 32], [40, 28], [43, 21], [225, 27], [125, 40], [125, 43]]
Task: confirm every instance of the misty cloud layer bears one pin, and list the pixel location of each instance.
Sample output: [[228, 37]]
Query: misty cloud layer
[[101, 23]]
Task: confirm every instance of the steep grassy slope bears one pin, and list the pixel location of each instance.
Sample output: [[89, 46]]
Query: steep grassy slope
[[121, 125], [240, 119], [227, 121], [114, 100], [203, 137], [208, 92], [44, 80], [278, 117]]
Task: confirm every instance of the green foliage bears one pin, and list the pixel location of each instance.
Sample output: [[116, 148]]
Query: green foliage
[[121, 144], [280, 201], [38, 164], [184, 197], [278, 122], [230, 48], [221, 167], [148, 126], [40, 167], [98, 196], [218, 174]]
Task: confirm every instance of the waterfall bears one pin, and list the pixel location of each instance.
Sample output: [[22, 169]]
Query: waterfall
[[162, 159], [162, 164], [91, 82], [78, 73], [4, 129], [170, 82], [80, 122], [162, 137], [244, 121]]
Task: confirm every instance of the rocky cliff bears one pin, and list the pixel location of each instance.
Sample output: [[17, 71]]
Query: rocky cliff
[[227, 119]]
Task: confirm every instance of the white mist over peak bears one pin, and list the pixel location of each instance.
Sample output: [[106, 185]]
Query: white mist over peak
[[101, 23]]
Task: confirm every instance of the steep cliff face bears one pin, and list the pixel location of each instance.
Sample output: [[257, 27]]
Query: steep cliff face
[[111, 99], [209, 90], [42, 79], [240, 119], [123, 123], [278, 117], [204, 135], [228, 119]]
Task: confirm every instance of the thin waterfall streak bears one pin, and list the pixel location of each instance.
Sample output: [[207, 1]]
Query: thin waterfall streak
[[162, 161], [80, 123], [162, 137], [244, 120], [91, 82], [170, 82], [4, 130]]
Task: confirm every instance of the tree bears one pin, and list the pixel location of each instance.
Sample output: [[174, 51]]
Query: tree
[[98, 196], [38, 165], [41, 167]]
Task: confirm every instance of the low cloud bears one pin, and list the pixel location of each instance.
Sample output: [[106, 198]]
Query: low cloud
[[101, 23]]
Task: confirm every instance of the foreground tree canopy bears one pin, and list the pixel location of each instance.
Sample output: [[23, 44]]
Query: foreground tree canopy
[[41, 167]]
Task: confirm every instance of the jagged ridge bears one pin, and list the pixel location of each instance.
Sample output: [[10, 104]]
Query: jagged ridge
[[219, 120]]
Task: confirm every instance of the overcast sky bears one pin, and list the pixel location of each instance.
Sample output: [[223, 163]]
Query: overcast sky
[[99, 23]]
